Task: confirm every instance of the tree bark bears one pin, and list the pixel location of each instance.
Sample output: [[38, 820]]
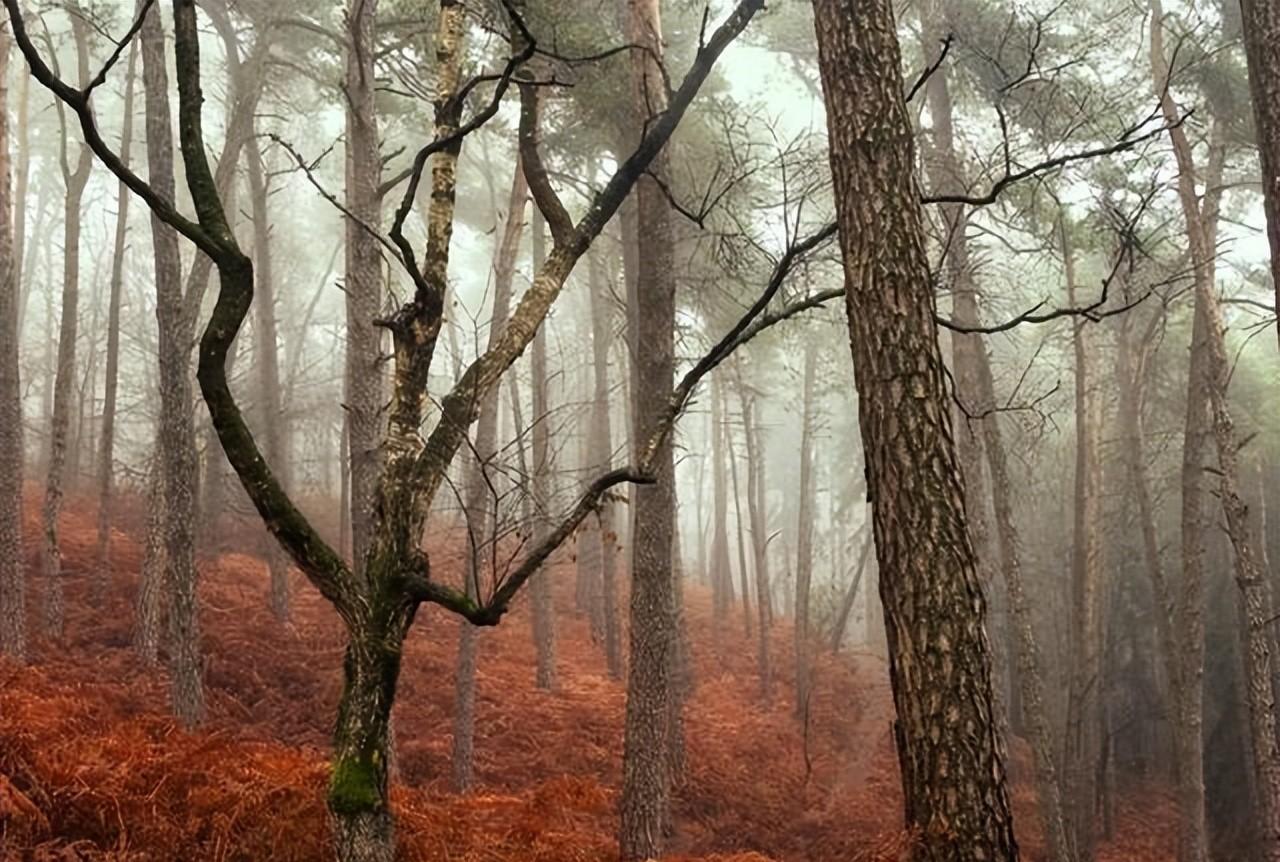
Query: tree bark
[[13, 584], [544, 621], [759, 540], [804, 533], [949, 748], [177, 430], [601, 457], [648, 732], [75, 178], [149, 609], [1084, 698], [721, 571], [362, 285], [1261, 32], [106, 452]]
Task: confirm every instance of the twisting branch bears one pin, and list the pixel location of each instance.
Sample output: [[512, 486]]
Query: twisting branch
[[98, 79], [931, 68], [544, 194]]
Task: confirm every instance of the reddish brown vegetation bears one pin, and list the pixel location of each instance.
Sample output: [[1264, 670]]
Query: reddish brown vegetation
[[92, 768]]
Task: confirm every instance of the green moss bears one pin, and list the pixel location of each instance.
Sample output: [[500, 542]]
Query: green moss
[[353, 787]]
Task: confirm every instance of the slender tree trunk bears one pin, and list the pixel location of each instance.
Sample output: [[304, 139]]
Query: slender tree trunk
[[75, 179], [740, 526], [23, 263], [721, 572], [1261, 32], [107, 446], [544, 620], [759, 543], [654, 652], [1188, 733], [176, 433], [1084, 698], [13, 595], [363, 283], [600, 459], [150, 612], [478, 495], [939, 658], [271, 418], [804, 534], [851, 594]]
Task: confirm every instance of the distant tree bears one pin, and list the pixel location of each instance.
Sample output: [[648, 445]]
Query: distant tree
[[13, 596]]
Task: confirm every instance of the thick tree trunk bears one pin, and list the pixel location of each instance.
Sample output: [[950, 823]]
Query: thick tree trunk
[[654, 651], [949, 748], [13, 589], [106, 451], [176, 432], [1261, 32], [75, 179], [363, 282], [271, 407]]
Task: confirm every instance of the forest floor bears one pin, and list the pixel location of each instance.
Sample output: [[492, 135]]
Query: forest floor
[[92, 767]]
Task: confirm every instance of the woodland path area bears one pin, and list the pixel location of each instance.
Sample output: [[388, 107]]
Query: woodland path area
[[91, 767]]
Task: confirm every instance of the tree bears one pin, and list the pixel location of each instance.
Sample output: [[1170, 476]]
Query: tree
[[175, 438], [106, 451], [74, 178], [378, 605], [1261, 32], [940, 665], [13, 599], [804, 533]]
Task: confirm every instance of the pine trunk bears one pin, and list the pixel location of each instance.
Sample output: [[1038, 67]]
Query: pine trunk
[[939, 658], [1261, 32]]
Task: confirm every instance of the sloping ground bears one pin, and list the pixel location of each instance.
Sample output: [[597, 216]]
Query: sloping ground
[[91, 767]]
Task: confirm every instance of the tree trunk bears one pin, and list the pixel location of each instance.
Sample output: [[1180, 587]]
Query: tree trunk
[[600, 459], [13, 585], [649, 728], [176, 432], [75, 179], [1084, 698], [740, 527], [271, 418], [976, 387], [939, 659], [544, 620], [759, 542], [106, 452], [721, 572], [478, 495], [363, 282], [150, 612], [851, 594], [1188, 734], [1261, 33]]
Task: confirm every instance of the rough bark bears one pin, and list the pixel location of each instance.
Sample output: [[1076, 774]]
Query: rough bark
[[178, 466], [106, 451], [1188, 714], [13, 597], [74, 178], [1261, 32], [647, 740], [949, 748], [362, 284]]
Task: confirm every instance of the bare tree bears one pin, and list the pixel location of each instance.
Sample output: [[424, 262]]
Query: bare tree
[[13, 597], [75, 178], [106, 451]]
